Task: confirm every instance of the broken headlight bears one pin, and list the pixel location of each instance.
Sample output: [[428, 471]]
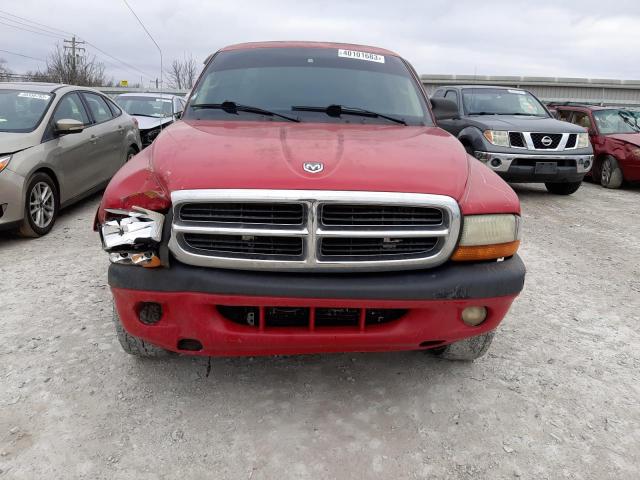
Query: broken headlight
[[133, 237]]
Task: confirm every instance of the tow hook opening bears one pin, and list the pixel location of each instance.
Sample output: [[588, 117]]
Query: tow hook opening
[[496, 162], [189, 344], [149, 313]]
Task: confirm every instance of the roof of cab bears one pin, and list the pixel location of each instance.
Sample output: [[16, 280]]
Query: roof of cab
[[300, 44]]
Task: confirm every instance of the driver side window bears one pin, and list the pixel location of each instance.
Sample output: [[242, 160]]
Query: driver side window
[[71, 107]]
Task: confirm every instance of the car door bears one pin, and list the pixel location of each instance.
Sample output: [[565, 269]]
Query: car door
[[71, 154], [108, 134]]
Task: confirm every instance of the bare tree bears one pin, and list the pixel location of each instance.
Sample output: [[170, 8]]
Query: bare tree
[[5, 73], [64, 68], [183, 73]]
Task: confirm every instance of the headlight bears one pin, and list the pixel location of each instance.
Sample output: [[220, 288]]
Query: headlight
[[133, 237], [488, 237], [4, 161], [497, 137], [583, 140]]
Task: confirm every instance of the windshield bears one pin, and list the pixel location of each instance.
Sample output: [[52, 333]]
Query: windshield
[[146, 106], [277, 79], [501, 101], [21, 110], [617, 121]]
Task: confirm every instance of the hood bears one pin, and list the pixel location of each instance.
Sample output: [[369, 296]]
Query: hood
[[147, 123], [216, 154], [632, 138], [519, 123], [14, 142]]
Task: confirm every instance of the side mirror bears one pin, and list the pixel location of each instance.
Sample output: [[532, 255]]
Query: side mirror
[[444, 109], [65, 126], [178, 115]]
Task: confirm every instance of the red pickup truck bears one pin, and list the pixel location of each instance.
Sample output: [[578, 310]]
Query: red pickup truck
[[306, 202]]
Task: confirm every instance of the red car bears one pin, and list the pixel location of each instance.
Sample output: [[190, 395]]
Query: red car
[[306, 202], [615, 136]]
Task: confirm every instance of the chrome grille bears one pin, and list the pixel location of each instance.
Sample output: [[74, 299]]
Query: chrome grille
[[556, 142], [308, 229]]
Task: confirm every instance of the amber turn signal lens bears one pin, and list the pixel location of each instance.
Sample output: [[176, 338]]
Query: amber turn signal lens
[[485, 252]]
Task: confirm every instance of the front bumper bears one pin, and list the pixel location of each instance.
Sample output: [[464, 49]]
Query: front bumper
[[433, 300], [11, 199], [516, 167]]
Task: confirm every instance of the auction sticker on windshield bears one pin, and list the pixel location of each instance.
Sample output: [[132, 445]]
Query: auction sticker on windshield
[[370, 57], [39, 96]]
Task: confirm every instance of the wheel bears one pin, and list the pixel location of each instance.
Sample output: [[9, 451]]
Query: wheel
[[565, 188], [466, 350], [134, 345], [131, 152], [611, 176], [41, 206]]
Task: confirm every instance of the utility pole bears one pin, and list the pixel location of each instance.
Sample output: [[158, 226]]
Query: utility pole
[[75, 56]]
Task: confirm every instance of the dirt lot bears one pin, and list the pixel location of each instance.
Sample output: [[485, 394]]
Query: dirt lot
[[558, 396]]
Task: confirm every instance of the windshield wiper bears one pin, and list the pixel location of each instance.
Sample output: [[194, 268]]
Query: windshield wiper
[[143, 115], [482, 113], [338, 110], [233, 107], [522, 114], [626, 117]]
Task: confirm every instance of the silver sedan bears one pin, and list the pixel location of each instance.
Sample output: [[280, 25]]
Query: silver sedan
[[58, 144]]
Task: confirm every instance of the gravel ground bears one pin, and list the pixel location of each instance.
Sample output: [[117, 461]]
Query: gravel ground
[[556, 397]]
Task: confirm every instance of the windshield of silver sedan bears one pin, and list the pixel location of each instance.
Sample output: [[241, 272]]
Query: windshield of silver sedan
[[308, 85], [21, 111]]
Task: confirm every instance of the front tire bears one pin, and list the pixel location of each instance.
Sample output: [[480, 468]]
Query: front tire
[[611, 175], [565, 188], [133, 345], [466, 350], [41, 206]]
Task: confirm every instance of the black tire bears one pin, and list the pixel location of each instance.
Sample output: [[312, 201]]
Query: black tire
[[134, 345], [466, 350], [41, 206], [611, 174], [565, 188], [131, 152]]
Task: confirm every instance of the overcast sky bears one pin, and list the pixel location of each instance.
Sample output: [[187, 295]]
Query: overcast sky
[[584, 38]]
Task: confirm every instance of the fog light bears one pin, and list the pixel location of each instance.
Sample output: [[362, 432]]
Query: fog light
[[587, 164], [150, 313], [474, 316], [496, 162]]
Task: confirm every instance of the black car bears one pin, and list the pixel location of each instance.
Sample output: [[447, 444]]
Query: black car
[[514, 134]]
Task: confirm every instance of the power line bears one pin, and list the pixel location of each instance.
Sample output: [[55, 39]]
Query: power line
[[36, 23], [34, 27], [32, 31], [50, 32], [150, 36], [21, 55]]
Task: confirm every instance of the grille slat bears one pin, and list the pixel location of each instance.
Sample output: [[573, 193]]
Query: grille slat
[[571, 141], [253, 213], [379, 247], [250, 245], [379, 216]]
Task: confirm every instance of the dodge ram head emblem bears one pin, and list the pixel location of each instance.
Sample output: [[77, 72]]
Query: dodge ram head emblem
[[546, 141], [313, 167]]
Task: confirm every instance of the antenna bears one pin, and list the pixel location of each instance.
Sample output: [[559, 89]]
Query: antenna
[[153, 40]]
